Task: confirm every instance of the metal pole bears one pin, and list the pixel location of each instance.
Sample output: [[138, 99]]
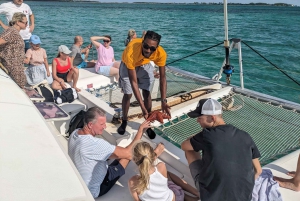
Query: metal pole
[[226, 42], [241, 65]]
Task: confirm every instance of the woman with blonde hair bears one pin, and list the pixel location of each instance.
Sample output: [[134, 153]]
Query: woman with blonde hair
[[152, 181], [12, 49]]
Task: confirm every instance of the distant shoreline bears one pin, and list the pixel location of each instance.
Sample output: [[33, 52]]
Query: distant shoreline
[[195, 3]]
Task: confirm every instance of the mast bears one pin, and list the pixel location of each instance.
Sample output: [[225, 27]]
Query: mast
[[227, 69]]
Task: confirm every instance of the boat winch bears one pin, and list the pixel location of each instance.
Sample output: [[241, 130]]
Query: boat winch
[[228, 70]]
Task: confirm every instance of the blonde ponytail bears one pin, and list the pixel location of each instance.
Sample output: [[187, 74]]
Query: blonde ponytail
[[144, 156]]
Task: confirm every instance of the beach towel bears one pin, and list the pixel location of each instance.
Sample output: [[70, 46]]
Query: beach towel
[[266, 188]]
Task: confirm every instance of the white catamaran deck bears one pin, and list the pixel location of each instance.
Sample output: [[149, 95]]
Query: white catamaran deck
[[34, 160]]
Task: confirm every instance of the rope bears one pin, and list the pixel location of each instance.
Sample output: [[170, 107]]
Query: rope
[[195, 53], [271, 63]]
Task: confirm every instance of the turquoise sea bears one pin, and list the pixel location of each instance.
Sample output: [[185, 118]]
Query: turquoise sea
[[185, 29]]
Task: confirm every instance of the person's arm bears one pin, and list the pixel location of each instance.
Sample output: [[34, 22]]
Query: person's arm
[[144, 33], [2, 41], [47, 66], [26, 60], [163, 90], [31, 27], [95, 42], [257, 167], [126, 153], [186, 145], [136, 91], [4, 26], [132, 183]]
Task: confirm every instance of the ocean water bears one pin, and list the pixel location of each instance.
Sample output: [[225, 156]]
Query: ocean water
[[185, 29]]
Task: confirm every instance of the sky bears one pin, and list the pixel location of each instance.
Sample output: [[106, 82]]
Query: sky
[[295, 2]]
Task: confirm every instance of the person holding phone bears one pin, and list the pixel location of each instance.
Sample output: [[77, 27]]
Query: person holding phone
[[79, 56], [106, 63]]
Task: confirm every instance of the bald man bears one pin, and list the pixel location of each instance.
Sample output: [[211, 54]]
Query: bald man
[[79, 56]]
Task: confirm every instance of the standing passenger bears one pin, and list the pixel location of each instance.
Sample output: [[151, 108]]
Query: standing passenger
[[229, 163], [12, 49], [36, 57], [9, 9], [137, 72]]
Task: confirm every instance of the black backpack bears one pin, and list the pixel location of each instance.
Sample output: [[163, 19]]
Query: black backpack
[[76, 122], [46, 91]]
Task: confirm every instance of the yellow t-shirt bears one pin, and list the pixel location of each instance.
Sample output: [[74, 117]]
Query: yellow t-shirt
[[133, 57]]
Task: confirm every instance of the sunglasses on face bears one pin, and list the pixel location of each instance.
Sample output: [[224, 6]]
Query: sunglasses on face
[[106, 41], [146, 46]]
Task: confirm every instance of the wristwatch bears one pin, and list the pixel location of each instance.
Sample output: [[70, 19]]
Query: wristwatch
[[164, 100]]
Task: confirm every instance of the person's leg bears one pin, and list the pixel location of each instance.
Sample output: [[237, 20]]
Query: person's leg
[[90, 64], [73, 75], [185, 186], [55, 85], [125, 85], [115, 170], [116, 64], [114, 72], [293, 183], [27, 45]]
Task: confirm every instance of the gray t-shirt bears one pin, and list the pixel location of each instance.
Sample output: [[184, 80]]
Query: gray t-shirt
[[76, 54]]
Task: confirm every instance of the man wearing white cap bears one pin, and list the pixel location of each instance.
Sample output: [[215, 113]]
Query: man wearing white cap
[[229, 163], [15, 6]]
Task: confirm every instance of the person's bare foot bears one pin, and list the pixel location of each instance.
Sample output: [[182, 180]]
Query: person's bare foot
[[159, 149], [291, 173], [77, 89], [288, 183]]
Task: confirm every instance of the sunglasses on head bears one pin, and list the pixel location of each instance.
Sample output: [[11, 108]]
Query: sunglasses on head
[[146, 46], [106, 41]]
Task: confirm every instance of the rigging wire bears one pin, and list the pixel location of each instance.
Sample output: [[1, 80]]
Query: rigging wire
[[195, 53], [271, 63]]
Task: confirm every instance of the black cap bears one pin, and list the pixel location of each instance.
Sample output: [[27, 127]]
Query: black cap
[[197, 112]]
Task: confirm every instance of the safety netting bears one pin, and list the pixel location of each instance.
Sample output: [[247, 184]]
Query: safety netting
[[274, 129]]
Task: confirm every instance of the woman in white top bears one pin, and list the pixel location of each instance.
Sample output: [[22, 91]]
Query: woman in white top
[[152, 182]]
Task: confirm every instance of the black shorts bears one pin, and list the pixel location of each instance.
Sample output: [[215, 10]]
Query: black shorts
[[63, 76], [114, 171]]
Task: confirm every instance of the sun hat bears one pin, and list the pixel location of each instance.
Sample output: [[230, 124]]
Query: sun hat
[[35, 39], [64, 49], [131, 32], [206, 107]]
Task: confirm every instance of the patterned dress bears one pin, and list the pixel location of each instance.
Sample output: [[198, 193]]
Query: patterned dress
[[12, 55]]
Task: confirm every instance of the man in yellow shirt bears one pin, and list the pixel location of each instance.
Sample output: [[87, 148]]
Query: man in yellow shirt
[[137, 72]]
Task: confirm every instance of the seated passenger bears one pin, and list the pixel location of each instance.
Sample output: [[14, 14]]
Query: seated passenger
[[132, 35], [63, 70], [106, 63], [294, 182], [80, 56], [90, 154], [152, 181], [36, 57], [229, 163]]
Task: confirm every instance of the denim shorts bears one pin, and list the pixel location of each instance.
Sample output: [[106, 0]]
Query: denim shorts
[[104, 70]]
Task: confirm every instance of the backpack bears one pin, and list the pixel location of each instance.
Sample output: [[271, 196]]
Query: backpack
[[45, 90], [66, 95], [76, 122]]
